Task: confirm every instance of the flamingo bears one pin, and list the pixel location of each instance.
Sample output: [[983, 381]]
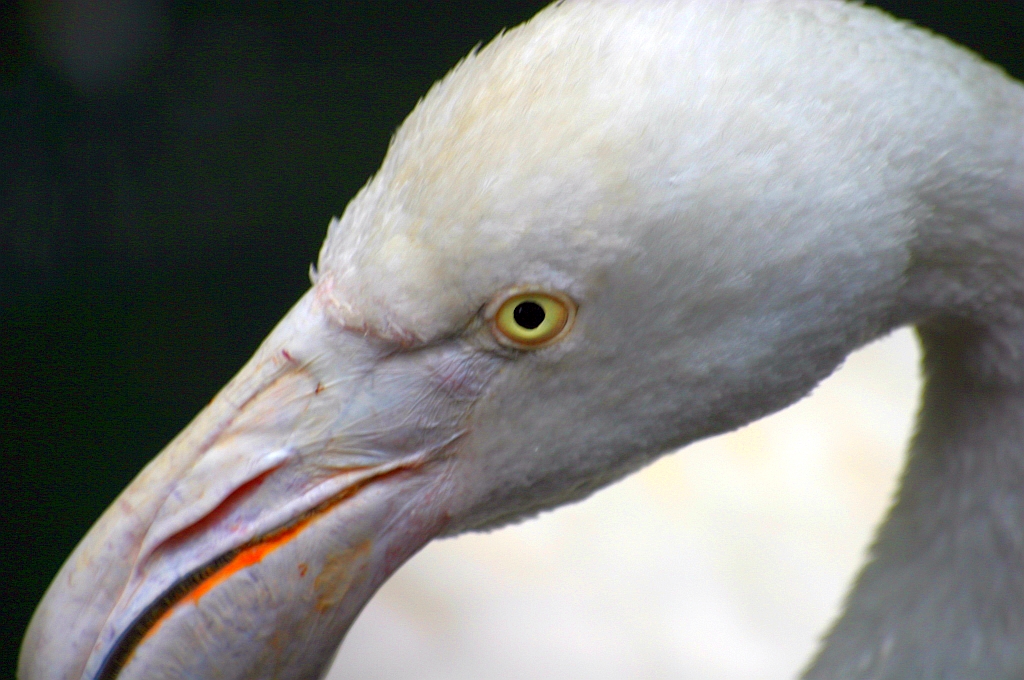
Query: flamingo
[[615, 230]]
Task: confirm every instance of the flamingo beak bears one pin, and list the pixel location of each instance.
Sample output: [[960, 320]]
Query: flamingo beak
[[248, 546]]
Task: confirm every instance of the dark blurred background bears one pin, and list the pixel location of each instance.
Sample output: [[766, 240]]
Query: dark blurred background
[[167, 173]]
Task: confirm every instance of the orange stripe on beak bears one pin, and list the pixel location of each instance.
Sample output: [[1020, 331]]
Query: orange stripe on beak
[[246, 558]]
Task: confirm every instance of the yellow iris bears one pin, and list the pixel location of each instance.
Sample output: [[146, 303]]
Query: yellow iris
[[529, 320]]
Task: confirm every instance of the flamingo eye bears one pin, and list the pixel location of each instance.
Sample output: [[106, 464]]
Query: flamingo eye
[[528, 320]]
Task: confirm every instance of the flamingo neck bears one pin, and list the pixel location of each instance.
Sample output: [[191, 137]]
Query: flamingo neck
[[942, 595], [943, 592]]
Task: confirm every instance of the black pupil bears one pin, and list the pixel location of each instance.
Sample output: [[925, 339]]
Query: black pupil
[[529, 315]]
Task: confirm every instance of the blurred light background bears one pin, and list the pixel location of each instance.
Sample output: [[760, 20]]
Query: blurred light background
[[167, 172]]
